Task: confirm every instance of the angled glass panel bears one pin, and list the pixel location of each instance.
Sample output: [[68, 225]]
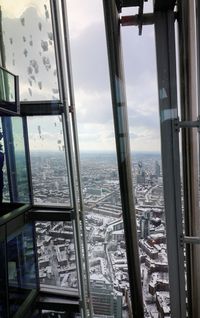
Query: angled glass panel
[[21, 267], [48, 161], [29, 51]]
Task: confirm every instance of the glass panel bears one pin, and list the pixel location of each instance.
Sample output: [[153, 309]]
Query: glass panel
[[56, 255], [29, 51], [49, 171], [3, 313], [20, 160], [104, 225], [21, 267]]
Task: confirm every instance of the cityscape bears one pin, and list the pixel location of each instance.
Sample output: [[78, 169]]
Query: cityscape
[[108, 268]]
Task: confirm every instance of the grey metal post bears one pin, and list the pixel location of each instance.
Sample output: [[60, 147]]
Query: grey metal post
[[167, 89], [123, 152], [68, 143], [76, 144]]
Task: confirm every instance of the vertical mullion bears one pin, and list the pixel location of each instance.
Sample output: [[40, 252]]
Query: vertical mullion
[[75, 141], [167, 89], [58, 32]]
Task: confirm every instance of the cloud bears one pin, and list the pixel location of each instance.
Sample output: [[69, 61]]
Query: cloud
[[89, 58], [83, 15], [14, 9]]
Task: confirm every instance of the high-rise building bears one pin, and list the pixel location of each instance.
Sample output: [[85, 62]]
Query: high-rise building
[[104, 301], [157, 169]]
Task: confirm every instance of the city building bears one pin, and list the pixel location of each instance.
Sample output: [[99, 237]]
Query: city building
[[110, 242], [104, 301]]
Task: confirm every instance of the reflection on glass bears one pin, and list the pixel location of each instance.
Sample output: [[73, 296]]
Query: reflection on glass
[[2, 280], [56, 255], [7, 87], [20, 160], [29, 50], [48, 163], [58, 314], [21, 267]]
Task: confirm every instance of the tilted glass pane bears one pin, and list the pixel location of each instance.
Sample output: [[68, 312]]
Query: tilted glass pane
[[29, 48]]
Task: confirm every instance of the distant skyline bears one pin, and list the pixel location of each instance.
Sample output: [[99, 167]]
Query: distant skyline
[[91, 77]]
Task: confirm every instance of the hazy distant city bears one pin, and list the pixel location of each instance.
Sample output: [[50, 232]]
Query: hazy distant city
[[105, 235]]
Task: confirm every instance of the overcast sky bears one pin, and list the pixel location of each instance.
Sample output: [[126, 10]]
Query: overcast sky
[[91, 79], [90, 72]]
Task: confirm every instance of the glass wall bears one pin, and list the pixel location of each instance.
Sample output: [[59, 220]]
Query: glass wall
[[29, 51], [21, 267]]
